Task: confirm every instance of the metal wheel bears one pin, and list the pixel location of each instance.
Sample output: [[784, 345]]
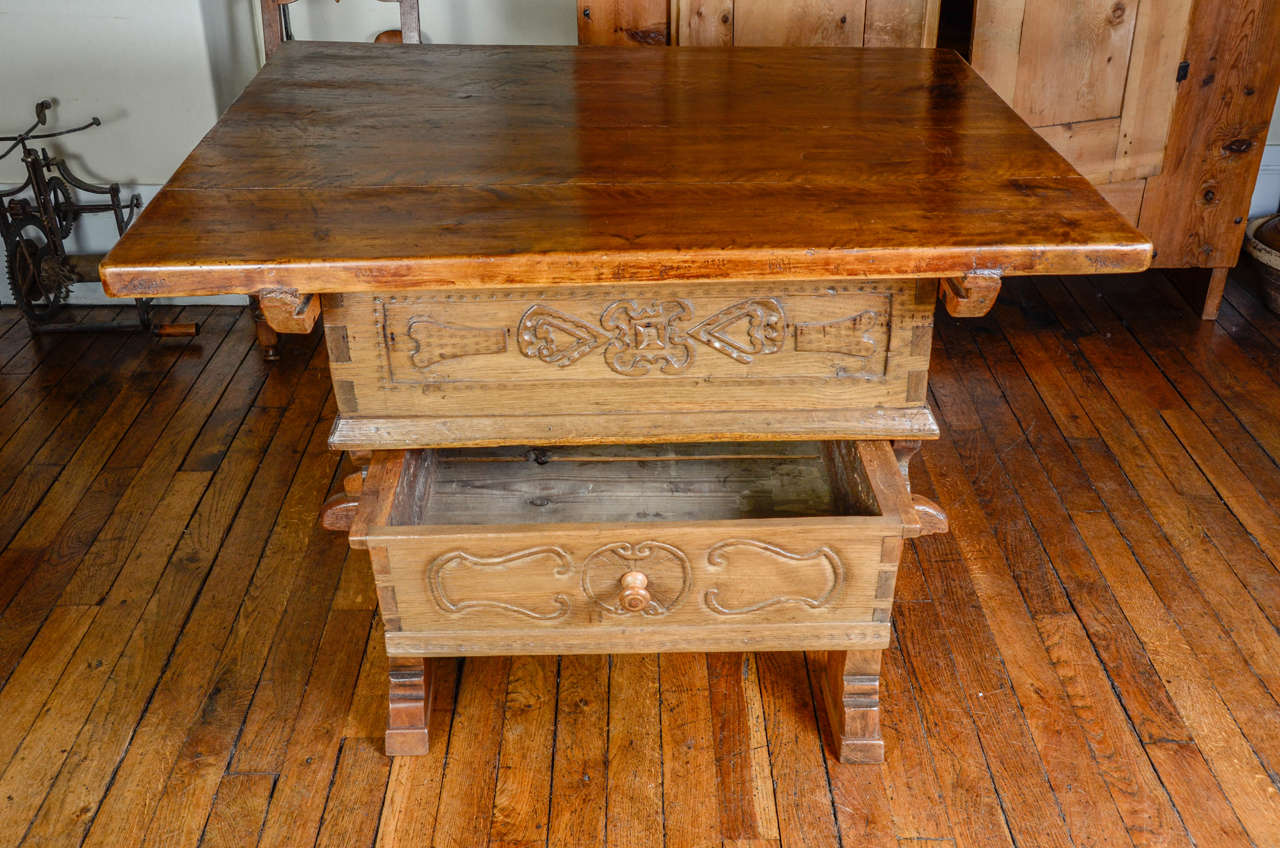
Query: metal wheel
[[64, 207], [36, 274]]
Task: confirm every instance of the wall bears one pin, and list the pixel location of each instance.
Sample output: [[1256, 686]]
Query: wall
[[443, 21], [1266, 195], [157, 73]]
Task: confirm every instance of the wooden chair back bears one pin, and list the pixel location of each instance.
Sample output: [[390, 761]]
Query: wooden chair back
[[274, 14], [760, 23]]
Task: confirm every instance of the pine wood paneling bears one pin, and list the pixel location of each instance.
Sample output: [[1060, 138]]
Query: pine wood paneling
[[1072, 60], [1160, 33], [1191, 83], [703, 23], [1126, 197], [997, 33], [901, 23], [798, 23], [635, 22], [761, 23], [1090, 146]]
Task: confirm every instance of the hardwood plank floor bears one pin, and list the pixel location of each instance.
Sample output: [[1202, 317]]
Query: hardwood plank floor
[[1090, 658]]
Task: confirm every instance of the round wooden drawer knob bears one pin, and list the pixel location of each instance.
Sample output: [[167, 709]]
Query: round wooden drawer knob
[[635, 596]]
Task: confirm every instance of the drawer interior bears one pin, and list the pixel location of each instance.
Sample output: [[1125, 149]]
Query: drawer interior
[[630, 483]]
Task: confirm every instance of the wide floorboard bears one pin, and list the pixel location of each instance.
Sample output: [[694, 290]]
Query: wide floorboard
[[1090, 658]]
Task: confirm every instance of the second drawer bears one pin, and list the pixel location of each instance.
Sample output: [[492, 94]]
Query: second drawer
[[773, 546]]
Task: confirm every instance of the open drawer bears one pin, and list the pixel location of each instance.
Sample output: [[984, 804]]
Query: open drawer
[[611, 549]]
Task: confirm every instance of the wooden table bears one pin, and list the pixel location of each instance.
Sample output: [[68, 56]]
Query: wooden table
[[633, 344]]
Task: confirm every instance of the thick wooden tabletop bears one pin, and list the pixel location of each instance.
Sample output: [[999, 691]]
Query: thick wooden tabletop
[[347, 167]]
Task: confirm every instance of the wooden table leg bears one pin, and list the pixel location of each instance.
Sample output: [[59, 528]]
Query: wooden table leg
[[268, 339], [1213, 297], [410, 705], [851, 689]]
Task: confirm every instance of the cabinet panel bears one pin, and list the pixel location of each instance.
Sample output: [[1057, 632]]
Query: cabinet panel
[[641, 22], [798, 23], [1072, 60]]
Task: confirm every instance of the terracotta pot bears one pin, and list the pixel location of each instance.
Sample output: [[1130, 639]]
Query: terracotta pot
[[1262, 241]]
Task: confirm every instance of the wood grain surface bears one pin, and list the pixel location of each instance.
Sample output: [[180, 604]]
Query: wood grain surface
[[1091, 658], [1195, 209], [347, 167]]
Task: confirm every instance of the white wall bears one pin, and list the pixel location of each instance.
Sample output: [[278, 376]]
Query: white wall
[[158, 73], [1266, 195], [443, 21]]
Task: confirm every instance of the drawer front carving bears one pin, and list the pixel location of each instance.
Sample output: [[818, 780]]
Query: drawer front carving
[[666, 573], [526, 583], [633, 573], [688, 578], [751, 576], [584, 351]]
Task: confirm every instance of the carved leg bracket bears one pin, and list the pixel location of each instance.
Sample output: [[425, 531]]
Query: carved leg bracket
[[903, 450], [851, 690], [410, 705], [339, 511], [932, 518], [971, 296]]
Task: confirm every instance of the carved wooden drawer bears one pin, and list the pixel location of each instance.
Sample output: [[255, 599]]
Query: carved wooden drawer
[[761, 546], [820, 359]]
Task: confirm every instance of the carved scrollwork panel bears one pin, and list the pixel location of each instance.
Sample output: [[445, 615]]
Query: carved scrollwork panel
[[527, 582], [754, 575], [666, 568], [645, 336], [635, 337]]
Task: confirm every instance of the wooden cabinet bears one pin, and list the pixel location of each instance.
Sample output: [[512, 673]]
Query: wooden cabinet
[[760, 23], [1163, 104]]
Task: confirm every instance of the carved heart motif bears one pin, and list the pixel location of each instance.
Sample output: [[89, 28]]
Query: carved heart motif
[[556, 338], [744, 330]]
